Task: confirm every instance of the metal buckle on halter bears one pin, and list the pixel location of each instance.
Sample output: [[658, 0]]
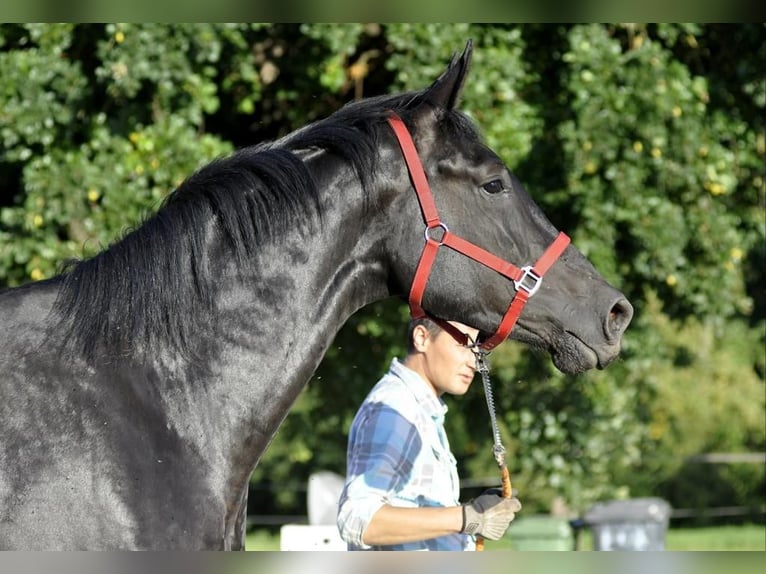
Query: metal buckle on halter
[[528, 273]]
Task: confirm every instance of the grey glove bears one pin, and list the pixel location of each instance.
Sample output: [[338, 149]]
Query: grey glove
[[489, 514]]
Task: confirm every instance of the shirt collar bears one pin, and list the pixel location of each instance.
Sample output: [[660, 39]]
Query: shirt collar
[[434, 406]]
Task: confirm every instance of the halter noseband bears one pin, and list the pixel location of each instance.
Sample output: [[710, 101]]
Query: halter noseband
[[526, 280]]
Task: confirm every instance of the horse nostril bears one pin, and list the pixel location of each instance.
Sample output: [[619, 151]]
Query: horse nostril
[[619, 317]]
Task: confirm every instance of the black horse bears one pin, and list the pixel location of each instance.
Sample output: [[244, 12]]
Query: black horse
[[141, 386]]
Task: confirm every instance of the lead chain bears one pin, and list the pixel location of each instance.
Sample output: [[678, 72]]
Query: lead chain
[[482, 365]]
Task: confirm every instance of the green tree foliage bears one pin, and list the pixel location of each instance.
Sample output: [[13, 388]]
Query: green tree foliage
[[644, 142]]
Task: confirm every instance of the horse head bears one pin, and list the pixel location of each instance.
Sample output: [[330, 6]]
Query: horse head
[[487, 224]]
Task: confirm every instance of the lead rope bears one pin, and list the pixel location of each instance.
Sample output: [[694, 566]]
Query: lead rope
[[498, 450]]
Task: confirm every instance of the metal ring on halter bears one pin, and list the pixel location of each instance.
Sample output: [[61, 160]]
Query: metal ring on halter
[[445, 232], [475, 345]]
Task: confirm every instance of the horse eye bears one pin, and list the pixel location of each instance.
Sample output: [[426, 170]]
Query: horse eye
[[494, 186]]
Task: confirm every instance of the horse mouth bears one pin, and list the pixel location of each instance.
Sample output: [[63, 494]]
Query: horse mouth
[[569, 353], [572, 355]]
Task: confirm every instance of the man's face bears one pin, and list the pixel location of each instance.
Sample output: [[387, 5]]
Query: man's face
[[449, 366]]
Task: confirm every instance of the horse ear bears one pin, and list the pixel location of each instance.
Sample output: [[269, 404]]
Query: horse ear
[[445, 91]]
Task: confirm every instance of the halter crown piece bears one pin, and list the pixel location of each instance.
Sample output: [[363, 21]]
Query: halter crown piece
[[526, 280]]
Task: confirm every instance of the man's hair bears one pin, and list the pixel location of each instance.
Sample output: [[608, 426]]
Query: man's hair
[[431, 326]]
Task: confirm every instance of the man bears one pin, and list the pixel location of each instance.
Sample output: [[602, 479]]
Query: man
[[402, 487]]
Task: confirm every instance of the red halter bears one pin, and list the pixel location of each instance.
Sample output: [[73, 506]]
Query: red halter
[[526, 280]]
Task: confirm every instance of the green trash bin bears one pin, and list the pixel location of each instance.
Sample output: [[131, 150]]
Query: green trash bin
[[540, 532]]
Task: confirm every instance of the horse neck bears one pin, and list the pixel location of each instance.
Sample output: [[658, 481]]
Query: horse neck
[[277, 321]]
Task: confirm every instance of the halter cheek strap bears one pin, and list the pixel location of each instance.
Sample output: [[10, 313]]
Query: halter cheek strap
[[526, 280]]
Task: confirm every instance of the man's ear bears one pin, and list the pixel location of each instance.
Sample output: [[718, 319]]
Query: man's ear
[[420, 338]]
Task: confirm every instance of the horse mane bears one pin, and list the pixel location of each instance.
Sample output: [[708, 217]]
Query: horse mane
[[152, 288]]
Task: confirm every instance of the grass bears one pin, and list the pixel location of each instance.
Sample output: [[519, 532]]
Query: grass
[[750, 537], [261, 539]]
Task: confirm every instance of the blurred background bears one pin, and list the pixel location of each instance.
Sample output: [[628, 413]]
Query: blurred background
[[644, 142]]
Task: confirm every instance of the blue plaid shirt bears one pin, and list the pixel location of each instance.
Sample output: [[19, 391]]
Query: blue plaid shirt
[[398, 454]]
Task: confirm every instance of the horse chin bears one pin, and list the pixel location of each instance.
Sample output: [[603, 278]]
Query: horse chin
[[574, 358], [572, 355], [569, 354]]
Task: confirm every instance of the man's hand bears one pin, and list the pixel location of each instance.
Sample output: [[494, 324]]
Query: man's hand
[[489, 515]]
